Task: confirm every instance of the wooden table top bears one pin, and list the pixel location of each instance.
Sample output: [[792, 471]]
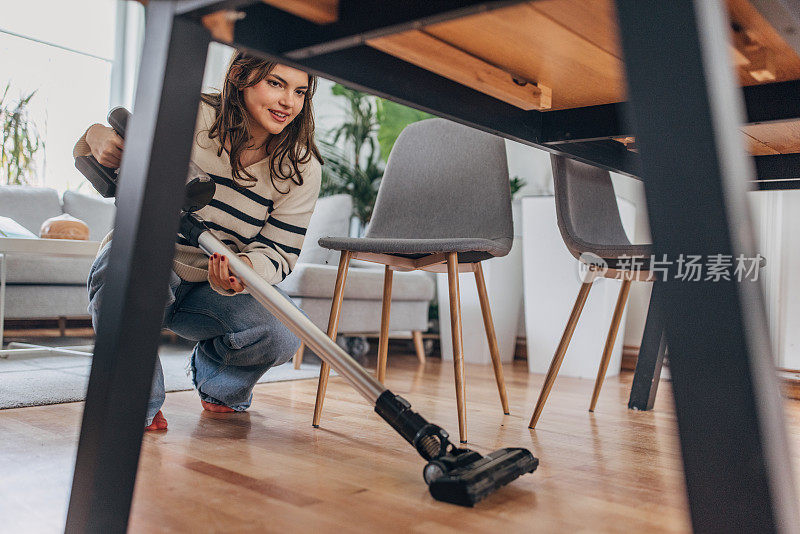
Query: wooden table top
[[562, 54]]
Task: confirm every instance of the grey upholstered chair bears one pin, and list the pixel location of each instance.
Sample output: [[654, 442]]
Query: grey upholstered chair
[[589, 221], [444, 205]]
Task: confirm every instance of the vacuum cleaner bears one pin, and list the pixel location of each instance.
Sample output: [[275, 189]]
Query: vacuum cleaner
[[453, 474]]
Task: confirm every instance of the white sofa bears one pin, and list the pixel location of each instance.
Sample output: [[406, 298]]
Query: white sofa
[[42, 287]]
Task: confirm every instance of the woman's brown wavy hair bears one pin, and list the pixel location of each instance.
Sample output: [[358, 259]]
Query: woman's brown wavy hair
[[231, 124]]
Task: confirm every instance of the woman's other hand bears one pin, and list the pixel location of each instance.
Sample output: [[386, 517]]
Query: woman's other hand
[[106, 145], [220, 275]]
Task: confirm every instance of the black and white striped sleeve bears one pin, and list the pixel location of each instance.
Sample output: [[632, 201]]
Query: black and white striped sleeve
[[275, 249]]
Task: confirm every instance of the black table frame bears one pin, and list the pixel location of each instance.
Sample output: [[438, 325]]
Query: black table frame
[[731, 423]]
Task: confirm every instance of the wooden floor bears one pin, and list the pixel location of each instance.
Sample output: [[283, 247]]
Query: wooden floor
[[268, 470]]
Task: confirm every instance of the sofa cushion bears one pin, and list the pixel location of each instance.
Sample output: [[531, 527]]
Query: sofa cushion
[[331, 217], [40, 269], [318, 281], [98, 213], [29, 206]]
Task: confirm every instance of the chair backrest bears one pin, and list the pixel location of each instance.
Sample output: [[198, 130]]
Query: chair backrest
[[586, 207], [444, 180]]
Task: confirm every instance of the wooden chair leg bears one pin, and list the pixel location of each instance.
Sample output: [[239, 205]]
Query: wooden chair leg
[[298, 356], [555, 365], [622, 298], [419, 346], [458, 345], [491, 337], [383, 341], [333, 326]]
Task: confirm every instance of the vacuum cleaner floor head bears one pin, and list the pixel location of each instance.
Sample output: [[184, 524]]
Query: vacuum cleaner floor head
[[468, 477]]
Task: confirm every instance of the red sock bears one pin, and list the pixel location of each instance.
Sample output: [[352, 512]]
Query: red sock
[[217, 408], [159, 422]]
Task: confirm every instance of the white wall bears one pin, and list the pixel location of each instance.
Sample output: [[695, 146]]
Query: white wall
[[217, 59], [533, 166], [776, 214]]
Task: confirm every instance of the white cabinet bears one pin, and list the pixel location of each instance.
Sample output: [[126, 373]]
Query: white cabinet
[[551, 282], [503, 278]]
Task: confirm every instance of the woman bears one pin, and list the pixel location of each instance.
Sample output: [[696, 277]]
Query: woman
[[256, 140]]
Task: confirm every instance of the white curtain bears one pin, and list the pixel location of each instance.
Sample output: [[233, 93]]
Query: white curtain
[[129, 37]]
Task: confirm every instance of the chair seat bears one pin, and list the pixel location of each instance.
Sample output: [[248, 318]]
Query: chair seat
[[469, 249]]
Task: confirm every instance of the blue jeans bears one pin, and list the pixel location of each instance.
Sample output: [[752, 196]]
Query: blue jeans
[[238, 340]]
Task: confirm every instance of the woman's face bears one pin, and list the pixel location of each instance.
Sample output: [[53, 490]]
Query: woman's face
[[276, 100]]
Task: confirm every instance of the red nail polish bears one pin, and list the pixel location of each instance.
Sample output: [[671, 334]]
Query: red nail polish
[[232, 279], [214, 256]]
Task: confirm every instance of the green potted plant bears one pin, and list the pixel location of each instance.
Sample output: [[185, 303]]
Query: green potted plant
[[393, 118], [20, 140], [352, 158]]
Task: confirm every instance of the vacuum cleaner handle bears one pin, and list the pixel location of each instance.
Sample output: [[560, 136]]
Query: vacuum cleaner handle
[[102, 178], [200, 187], [118, 119]]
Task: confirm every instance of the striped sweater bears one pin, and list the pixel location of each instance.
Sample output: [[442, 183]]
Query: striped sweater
[[257, 222]]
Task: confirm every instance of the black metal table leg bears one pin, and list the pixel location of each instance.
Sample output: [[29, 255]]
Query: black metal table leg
[[687, 110], [157, 150], [651, 354]]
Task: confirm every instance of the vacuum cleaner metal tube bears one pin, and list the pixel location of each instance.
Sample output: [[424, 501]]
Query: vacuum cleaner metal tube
[[277, 304]]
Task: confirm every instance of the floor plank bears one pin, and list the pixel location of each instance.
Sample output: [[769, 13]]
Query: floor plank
[[268, 470]]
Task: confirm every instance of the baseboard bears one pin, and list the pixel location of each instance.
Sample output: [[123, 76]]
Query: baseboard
[[47, 322], [521, 349], [21, 329], [790, 383], [630, 354], [48, 327]]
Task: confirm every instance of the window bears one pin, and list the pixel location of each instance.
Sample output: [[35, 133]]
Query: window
[[67, 56]]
